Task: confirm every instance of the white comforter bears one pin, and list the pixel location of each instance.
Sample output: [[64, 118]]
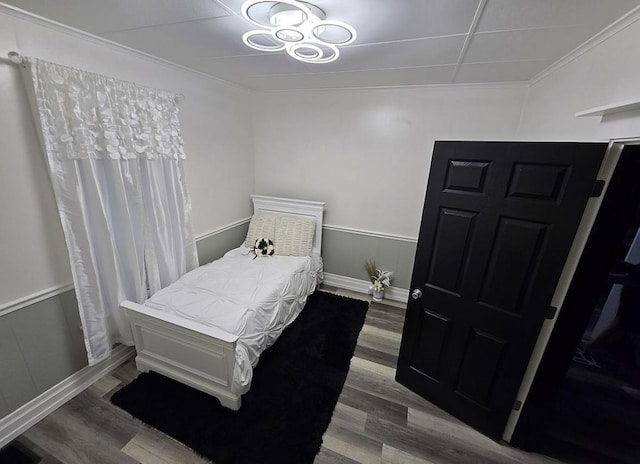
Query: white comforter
[[254, 299]]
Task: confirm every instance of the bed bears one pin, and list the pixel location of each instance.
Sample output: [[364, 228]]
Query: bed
[[208, 329]]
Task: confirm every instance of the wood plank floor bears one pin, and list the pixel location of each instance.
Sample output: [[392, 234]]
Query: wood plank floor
[[376, 421]]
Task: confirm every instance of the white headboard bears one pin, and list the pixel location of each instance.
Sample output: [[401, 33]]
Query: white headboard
[[312, 210]]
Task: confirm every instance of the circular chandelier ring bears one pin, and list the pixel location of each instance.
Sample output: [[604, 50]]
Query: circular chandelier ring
[[328, 23], [246, 38], [282, 29], [292, 50], [293, 3], [321, 58]]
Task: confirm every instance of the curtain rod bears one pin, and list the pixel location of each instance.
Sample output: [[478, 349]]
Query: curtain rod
[[17, 58]]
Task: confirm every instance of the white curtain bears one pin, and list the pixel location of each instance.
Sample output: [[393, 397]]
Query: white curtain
[[115, 157]]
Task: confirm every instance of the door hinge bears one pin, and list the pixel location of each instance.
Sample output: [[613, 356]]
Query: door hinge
[[598, 187], [551, 312], [517, 405]]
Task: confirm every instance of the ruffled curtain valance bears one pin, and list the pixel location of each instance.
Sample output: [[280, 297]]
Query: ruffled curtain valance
[[85, 115]]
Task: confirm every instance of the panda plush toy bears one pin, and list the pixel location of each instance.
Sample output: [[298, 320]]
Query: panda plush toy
[[263, 247]]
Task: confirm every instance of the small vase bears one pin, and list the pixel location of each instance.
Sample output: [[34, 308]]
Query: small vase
[[378, 295]]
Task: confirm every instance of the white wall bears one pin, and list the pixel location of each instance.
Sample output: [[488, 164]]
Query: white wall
[[607, 73], [216, 130], [367, 152]]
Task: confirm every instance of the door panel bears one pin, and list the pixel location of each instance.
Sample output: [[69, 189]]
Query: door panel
[[466, 176], [427, 357], [498, 221], [450, 251], [512, 260], [481, 361], [538, 181]]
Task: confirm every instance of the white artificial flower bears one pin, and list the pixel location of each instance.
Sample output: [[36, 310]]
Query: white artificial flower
[[383, 278]]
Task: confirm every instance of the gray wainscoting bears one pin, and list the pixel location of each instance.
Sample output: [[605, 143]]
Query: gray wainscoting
[[344, 253], [42, 344]]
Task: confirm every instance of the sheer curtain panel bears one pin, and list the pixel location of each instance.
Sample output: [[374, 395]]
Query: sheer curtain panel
[[115, 158]]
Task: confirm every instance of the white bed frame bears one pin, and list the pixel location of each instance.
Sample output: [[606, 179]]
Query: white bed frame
[[197, 355]]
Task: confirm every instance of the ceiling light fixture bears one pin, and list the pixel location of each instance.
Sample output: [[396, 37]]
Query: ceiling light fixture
[[299, 28]]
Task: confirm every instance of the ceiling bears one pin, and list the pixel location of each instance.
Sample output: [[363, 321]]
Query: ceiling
[[400, 42]]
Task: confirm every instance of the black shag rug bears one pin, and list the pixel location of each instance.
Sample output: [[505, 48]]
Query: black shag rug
[[16, 453], [295, 388]]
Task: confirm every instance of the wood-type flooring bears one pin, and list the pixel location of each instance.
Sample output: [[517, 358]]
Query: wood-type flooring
[[376, 421]]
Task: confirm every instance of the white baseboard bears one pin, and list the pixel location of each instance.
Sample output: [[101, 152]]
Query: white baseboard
[[362, 286], [29, 414]]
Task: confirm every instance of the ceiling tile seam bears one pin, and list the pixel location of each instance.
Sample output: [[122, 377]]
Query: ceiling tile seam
[[467, 41], [602, 36], [243, 55], [214, 58], [96, 39], [533, 60], [351, 71], [413, 39], [485, 85], [230, 10], [530, 29], [151, 26]]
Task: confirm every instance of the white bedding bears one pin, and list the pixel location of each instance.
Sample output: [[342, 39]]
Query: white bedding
[[254, 299]]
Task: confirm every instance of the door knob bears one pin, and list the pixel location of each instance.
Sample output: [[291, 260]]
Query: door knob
[[416, 294]]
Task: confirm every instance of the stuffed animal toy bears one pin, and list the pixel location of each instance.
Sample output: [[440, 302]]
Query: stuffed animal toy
[[263, 247]]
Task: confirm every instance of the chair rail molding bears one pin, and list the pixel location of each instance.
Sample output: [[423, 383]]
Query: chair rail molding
[[34, 298], [370, 233], [222, 229]]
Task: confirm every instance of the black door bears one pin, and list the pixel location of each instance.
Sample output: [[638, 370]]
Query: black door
[[498, 221]]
